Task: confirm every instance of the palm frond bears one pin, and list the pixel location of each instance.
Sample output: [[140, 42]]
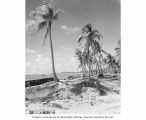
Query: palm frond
[[100, 36], [95, 30], [35, 15], [31, 26], [117, 48], [42, 9], [83, 37], [97, 47], [104, 52], [42, 25], [80, 38], [35, 25], [95, 34], [56, 13], [89, 26]]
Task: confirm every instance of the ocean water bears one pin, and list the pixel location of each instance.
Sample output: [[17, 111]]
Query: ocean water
[[61, 76]]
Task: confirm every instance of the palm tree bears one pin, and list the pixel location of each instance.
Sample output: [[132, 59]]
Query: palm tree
[[82, 58], [42, 18], [79, 56], [89, 42], [118, 54], [111, 61]]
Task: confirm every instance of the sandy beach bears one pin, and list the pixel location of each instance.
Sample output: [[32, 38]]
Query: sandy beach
[[75, 97]]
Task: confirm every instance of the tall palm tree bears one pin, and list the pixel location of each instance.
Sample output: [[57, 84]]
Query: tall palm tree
[[89, 42], [42, 18]]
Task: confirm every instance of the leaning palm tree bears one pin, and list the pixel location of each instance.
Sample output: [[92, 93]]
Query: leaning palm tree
[[89, 42], [42, 18]]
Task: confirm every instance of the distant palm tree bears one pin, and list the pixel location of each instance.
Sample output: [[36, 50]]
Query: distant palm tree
[[118, 54], [82, 58], [89, 42], [111, 61], [43, 17]]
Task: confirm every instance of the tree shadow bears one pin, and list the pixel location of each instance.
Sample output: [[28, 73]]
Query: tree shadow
[[92, 83], [77, 88], [56, 105]]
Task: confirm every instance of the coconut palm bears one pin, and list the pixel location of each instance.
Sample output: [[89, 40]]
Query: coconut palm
[[42, 18], [78, 54], [82, 58], [112, 64], [89, 42], [118, 54]]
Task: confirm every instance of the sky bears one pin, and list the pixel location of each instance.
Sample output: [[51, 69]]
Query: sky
[[104, 15]]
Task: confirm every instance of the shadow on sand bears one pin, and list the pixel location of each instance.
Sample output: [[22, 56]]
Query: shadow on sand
[[92, 83]]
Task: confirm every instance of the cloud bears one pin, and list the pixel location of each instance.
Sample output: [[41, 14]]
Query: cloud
[[42, 60], [40, 65], [70, 30], [30, 51], [66, 49], [44, 65], [72, 65], [39, 58], [64, 27], [59, 67], [37, 68]]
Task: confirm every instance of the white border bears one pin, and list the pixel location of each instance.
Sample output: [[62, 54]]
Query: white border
[[12, 60]]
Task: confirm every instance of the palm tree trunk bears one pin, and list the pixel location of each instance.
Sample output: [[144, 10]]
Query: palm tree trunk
[[89, 66], [52, 56], [83, 68], [92, 72], [96, 69], [83, 71], [100, 66]]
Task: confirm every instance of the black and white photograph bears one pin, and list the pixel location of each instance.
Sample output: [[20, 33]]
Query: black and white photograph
[[73, 57]]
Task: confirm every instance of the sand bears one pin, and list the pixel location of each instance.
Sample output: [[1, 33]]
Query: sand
[[75, 97]]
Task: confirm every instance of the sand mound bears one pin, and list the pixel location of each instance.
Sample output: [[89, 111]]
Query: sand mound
[[72, 96]]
